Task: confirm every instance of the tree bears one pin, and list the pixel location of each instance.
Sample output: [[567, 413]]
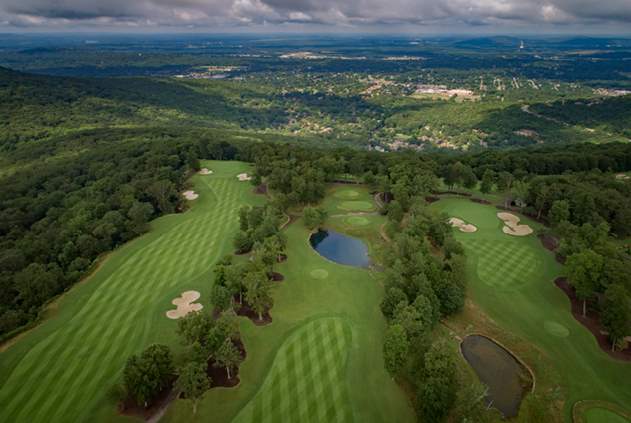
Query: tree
[[559, 212], [616, 315], [228, 356], [395, 348], [257, 292], [392, 298], [395, 211], [147, 375], [519, 192], [437, 391], [194, 327], [585, 271], [488, 180], [221, 297], [162, 192], [193, 382], [243, 242], [314, 217], [504, 181], [469, 180]]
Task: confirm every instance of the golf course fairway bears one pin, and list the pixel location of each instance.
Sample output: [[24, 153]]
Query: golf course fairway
[[63, 370], [511, 280]]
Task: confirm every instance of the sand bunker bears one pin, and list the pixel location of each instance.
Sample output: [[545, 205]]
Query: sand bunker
[[185, 304], [190, 195], [461, 225], [244, 177], [512, 226], [205, 171]]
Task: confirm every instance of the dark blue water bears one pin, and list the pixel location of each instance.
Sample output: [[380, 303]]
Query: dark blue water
[[340, 248]]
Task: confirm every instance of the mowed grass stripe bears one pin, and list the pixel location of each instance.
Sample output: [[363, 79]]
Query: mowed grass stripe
[[73, 365], [164, 281], [307, 380]]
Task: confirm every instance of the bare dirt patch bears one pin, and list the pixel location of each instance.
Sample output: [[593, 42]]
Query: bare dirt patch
[[591, 321], [185, 304], [190, 195], [512, 226], [462, 225]]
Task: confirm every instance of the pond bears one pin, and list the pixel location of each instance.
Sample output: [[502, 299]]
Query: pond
[[507, 380], [340, 248]]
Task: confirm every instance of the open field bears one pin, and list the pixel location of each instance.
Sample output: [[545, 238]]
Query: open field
[[63, 370], [511, 280]]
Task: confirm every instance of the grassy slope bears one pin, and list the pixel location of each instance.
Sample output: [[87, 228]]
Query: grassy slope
[[521, 299], [348, 293], [62, 370]]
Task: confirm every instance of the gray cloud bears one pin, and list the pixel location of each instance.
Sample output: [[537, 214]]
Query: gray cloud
[[351, 14]]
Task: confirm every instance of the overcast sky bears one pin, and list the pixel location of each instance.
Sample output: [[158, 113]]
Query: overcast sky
[[509, 16]]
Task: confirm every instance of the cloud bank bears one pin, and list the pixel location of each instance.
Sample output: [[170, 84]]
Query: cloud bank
[[351, 15]]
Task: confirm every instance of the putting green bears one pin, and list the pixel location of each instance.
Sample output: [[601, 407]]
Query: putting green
[[356, 205], [307, 381], [511, 279], [346, 194], [556, 329], [602, 415], [64, 370], [357, 221], [319, 274]]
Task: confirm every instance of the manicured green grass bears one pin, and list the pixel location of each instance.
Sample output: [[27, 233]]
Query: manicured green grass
[[307, 381], [357, 220], [347, 193], [341, 199], [63, 370], [356, 206], [600, 412], [511, 279], [601, 415], [313, 288]]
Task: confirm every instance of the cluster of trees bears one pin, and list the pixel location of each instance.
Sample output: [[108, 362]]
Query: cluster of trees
[[246, 282], [256, 225], [205, 338], [148, 374], [250, 281], [598, 271], [420, 289], [58, 217]]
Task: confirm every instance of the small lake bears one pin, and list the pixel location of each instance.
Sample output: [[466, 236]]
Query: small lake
[[340, 248], [506, 379]]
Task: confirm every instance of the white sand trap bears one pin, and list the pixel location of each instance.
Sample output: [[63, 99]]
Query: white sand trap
[[461, 225], [185, 304], [205, 171], [244, 177], [190, 195], [512, 226]]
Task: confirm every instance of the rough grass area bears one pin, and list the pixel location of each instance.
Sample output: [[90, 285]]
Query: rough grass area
[[511, 281], [307, 381]]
